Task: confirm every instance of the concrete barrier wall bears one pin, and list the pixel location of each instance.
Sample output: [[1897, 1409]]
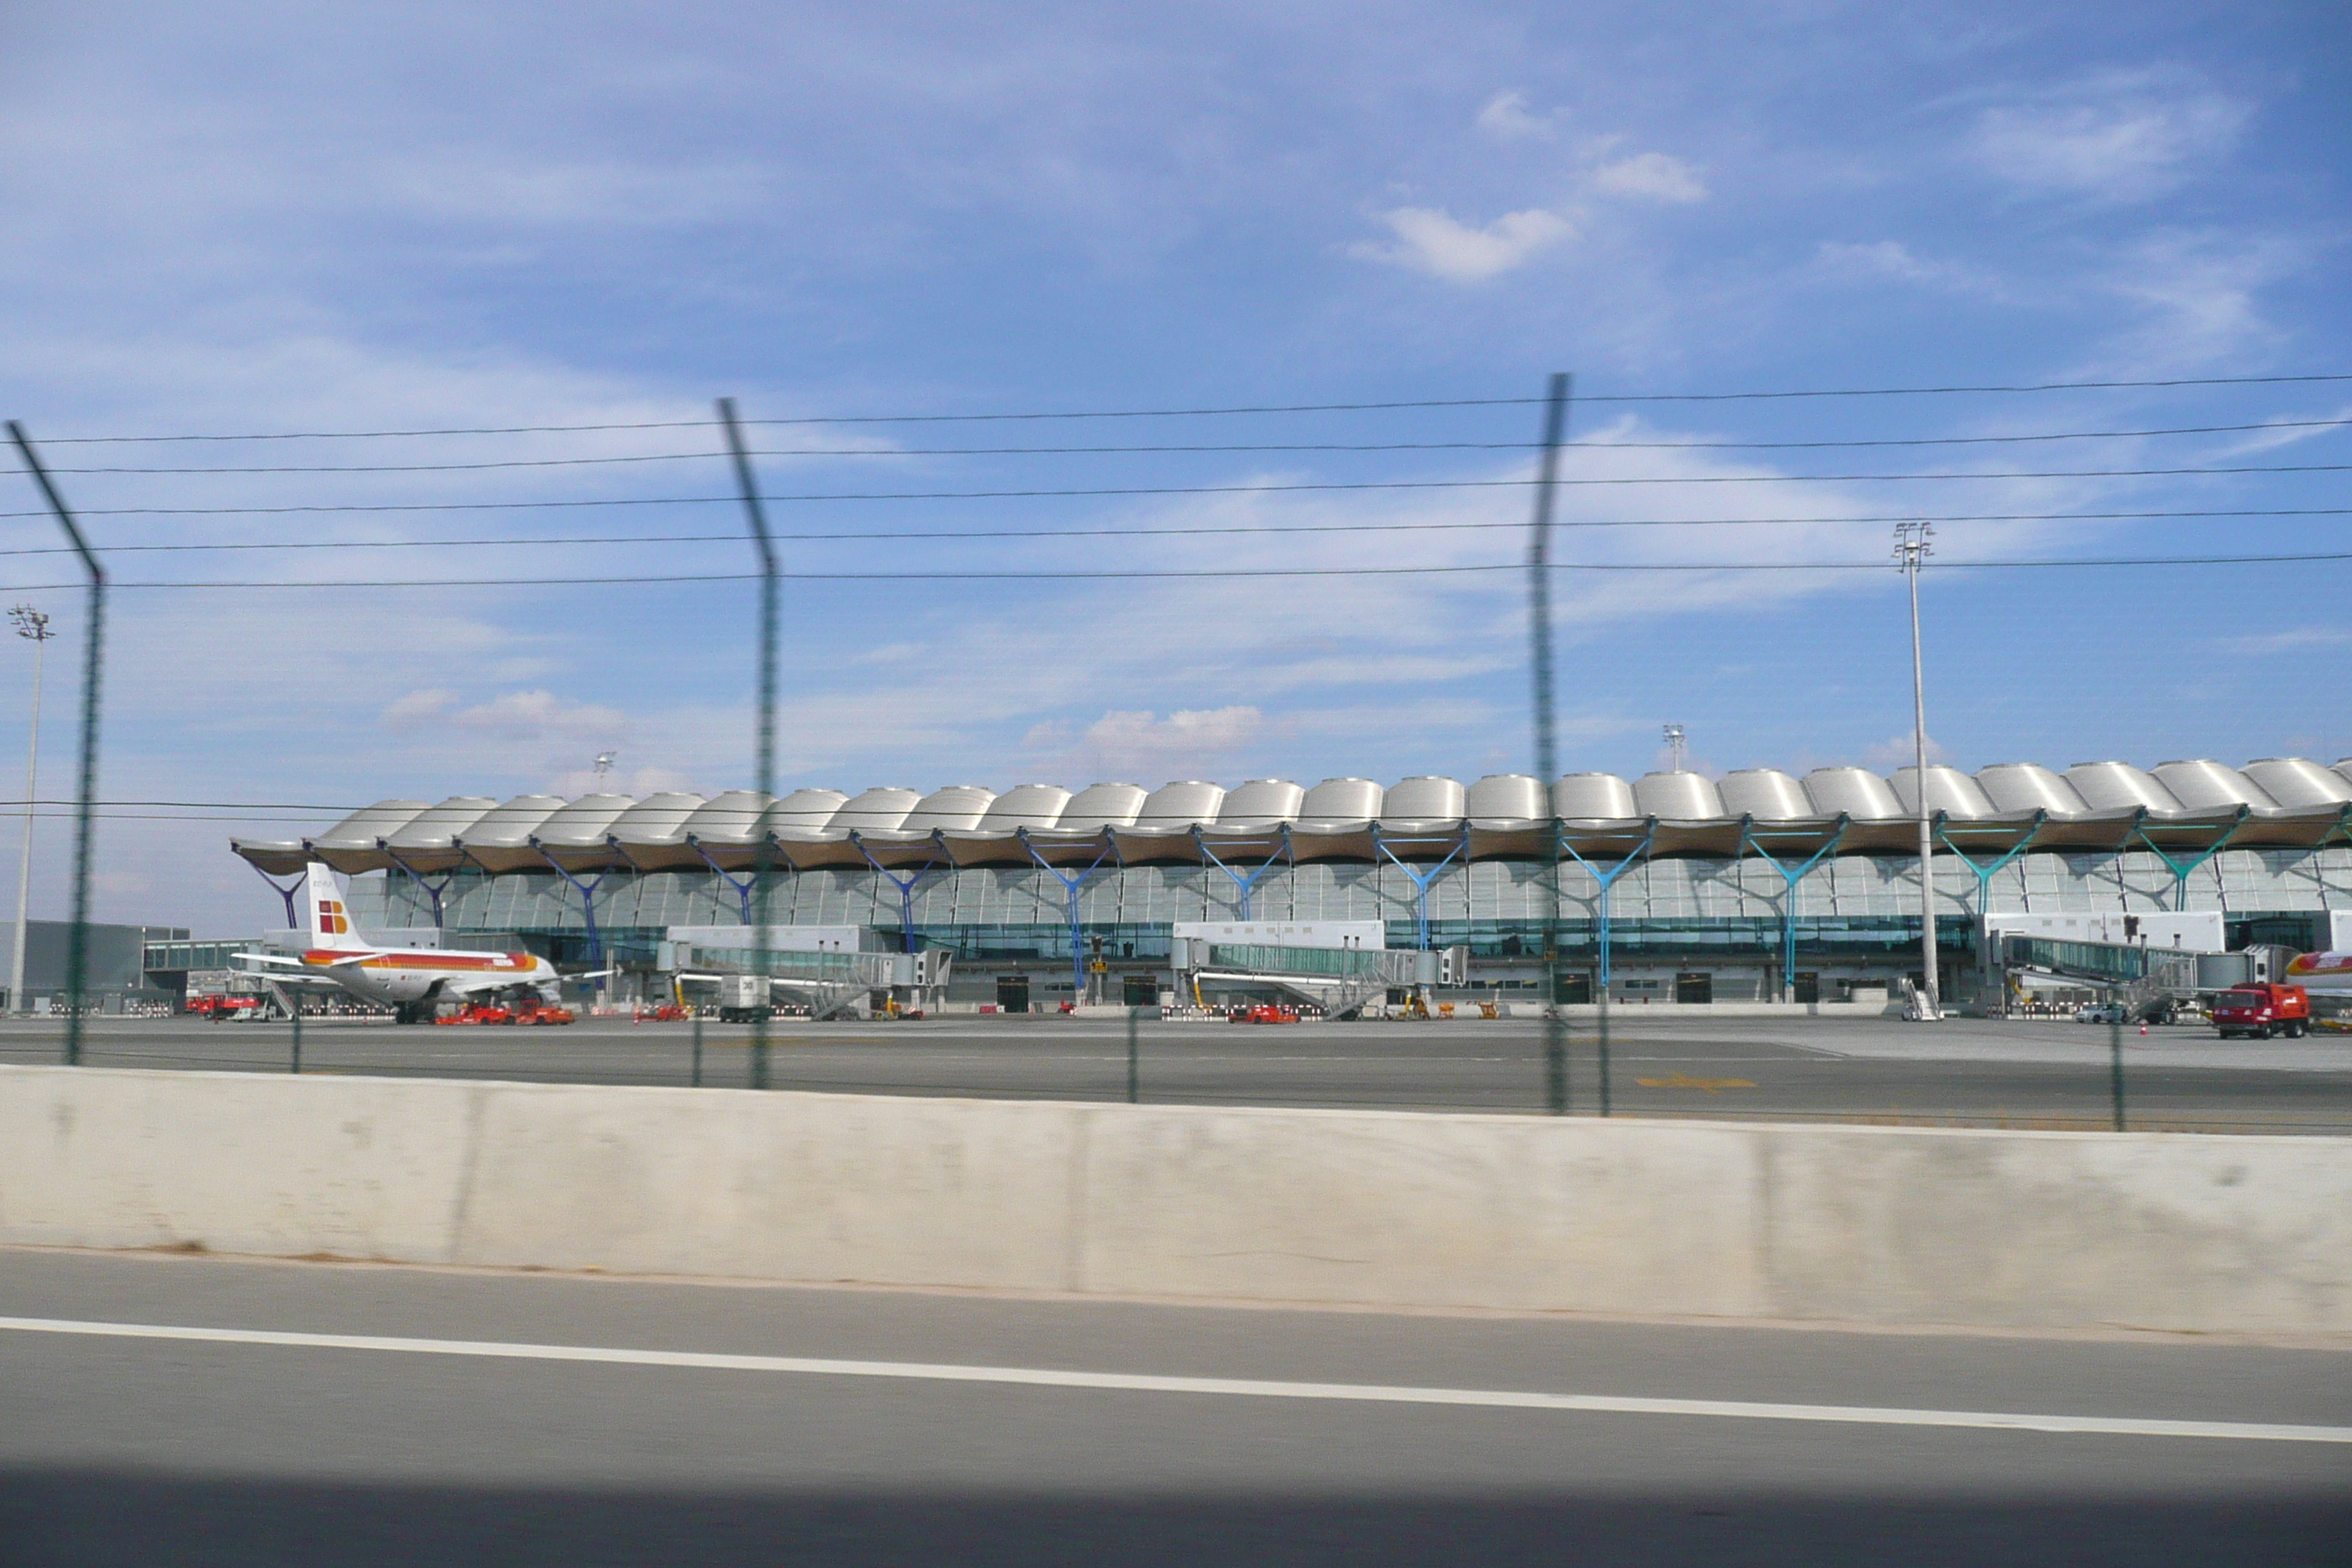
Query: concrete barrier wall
[[1885, 1224]]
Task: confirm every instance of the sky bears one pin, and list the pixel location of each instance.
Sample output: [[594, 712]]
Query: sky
[[881, 228]]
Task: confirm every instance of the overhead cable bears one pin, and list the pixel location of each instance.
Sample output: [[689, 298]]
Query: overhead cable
[[1064, 576], [1196, 449], [1255, 408], [866, 535], [1243, 489]]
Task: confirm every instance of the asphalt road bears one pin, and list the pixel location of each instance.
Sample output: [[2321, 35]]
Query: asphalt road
[[190, 1450], [1964, 1072]]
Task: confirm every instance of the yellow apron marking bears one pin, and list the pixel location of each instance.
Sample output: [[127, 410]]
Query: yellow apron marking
[[1684, 1080]]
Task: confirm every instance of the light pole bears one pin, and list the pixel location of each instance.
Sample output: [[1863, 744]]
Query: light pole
[[1674, 735], [1912, 548], [34, 625]]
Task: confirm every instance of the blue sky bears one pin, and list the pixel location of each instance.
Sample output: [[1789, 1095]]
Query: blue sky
[[251, 219]]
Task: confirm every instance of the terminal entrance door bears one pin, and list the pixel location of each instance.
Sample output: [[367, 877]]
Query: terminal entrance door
[[1691, 987], [1142, 990], [1013, 994], [1572, 990], [1809, 985]]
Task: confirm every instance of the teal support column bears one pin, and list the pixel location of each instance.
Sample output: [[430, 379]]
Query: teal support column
[[1607, 878], [2181, 869], [1789, 879], [1070, 888]]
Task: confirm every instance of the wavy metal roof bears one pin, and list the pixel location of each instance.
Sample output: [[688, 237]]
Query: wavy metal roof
[[2189, 804]]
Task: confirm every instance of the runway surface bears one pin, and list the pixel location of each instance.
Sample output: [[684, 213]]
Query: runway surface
[[325, 1414], [1963, 1071]]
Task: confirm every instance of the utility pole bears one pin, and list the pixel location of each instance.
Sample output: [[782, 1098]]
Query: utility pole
[[93, 671], [1912, 548], [764, 760], [1556, 1085], [34, 625]]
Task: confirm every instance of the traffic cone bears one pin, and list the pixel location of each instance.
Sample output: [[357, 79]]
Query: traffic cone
[[2143, 1029]]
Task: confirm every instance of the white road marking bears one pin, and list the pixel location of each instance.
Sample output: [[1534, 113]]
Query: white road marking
[[1248, 1388]]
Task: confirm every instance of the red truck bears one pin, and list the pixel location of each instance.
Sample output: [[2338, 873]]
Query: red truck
[[2259, 1012]]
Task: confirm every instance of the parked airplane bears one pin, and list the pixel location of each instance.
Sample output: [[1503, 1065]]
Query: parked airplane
[[412, 980]]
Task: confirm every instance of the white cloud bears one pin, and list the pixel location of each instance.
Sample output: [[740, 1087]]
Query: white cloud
[[1892, 259], [2297, 639], [1657, 175], [417, 707], [2129, 143], [1432, 241], [1187, 743], [1507, 116], [540, 715], [1901, 751]]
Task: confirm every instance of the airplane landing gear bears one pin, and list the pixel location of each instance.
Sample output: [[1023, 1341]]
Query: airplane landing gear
[[416, 1013]]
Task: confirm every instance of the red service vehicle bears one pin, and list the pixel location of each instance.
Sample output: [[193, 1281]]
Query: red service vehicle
[[1265, 1013], [478, 1013], [533, 1012], [2259, 1012], [219, 1007]]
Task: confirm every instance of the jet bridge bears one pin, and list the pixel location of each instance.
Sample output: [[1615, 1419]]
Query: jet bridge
[[1340, 980], [830, 981], [2147, 981]]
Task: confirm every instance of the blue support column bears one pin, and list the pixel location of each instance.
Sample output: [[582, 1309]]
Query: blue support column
[[587, 891], [1423, 882], [1606, 879], [742, 890], [284, 894], [1248, 885], [906, 885], [2181, 869], [432, 890], [1788, 898], [1070, 887]]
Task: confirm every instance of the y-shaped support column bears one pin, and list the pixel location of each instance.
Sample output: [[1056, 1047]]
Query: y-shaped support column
[[1640, 852], [1421, 881], [1789, 899], [286, 894], [742, 890], [432, 891], [2180, 869], [1070, 886], [587, 891], [905, 886], [1248, 885]]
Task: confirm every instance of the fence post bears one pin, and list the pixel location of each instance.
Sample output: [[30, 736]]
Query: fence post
[[1604, 1053], [1134, 1052], [296, 1065], [697, 1080], [2116, 1061]]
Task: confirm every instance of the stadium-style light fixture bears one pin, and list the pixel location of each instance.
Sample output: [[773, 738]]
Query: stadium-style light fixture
[[1912, 548], [33, 625]]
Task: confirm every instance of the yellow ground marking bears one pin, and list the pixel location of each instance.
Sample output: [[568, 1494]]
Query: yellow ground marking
[[1684, 1080]]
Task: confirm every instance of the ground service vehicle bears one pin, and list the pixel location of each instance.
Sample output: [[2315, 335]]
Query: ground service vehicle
[[2259, 1012]]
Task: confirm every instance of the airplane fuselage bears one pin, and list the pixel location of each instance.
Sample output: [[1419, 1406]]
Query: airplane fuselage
[[396, 978]]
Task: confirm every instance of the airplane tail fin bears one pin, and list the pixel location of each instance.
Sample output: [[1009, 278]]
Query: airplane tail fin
[[330, 920]]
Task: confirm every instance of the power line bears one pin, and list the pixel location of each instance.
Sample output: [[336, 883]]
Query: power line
[[1113, 490], [865, 536], [511, 583], [1257, 408], [1197, 448]]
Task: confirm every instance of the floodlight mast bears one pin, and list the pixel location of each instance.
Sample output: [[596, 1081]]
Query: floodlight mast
[[1674, 738], [33, 625], [1912, 548]]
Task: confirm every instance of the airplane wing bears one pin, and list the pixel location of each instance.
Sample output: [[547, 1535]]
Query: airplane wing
[[455, 987], [270, 958]]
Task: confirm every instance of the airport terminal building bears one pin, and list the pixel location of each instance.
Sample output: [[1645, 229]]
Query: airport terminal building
[[1754, 886]]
